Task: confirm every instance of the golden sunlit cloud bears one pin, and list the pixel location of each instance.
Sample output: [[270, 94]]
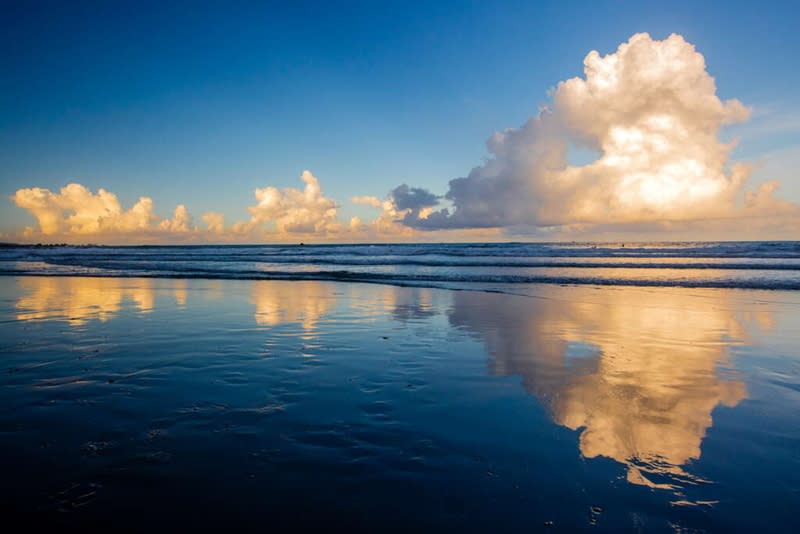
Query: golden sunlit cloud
[[75, 214], [76, 210], [215, 222], [293, 211]]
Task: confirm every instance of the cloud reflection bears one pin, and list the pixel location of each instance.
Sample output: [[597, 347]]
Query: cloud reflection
[[304, 302], [80, 299], [412, 303], [636, 372]]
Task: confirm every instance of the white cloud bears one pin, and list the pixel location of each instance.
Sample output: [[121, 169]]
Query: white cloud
[[651, 110]]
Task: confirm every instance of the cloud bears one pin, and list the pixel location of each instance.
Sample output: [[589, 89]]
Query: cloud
[[652, 113], [215, 222], [76, 214], [293, 211], [181, 221], [649, 110], [371, 201], [387, 223], [413, 198], [76, 210], [402, 204]]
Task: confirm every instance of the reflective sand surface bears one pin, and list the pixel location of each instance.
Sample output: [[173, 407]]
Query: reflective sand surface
[[146, 403]]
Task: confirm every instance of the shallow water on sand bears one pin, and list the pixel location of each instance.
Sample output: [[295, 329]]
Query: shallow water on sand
[[146, 403]]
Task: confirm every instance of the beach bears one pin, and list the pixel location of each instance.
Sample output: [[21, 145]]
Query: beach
[[468, 267], [138, 403]]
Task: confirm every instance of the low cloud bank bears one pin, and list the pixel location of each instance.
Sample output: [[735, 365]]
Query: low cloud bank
[[75, 214]]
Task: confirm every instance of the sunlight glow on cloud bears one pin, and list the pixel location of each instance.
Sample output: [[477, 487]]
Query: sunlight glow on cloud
[[215, 222], [180, 222], [76, 214], [651, 110], [387, 222], [294, 211], [76, 210]]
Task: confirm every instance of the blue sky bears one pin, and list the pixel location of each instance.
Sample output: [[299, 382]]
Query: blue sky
[[201, 103]]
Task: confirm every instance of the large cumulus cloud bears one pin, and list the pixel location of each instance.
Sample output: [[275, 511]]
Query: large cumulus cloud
[[651, 112]]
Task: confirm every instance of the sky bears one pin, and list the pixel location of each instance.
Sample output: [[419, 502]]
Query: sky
[[383, 121]]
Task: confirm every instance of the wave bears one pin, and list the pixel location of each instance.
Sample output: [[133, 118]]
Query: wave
[[744, 249], [757, 265], [107, 262]]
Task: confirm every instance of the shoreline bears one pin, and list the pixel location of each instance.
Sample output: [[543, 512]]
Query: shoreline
[[435, 283]]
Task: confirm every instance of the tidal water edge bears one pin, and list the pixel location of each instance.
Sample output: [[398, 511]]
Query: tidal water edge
[[138, 403]]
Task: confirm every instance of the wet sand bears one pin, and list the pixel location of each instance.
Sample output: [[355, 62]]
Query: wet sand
[[145, 403]]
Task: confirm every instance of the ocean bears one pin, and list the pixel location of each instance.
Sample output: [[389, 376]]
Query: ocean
[[485, 266]]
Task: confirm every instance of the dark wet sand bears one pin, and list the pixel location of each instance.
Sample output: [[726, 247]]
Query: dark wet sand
[[141, 404]]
